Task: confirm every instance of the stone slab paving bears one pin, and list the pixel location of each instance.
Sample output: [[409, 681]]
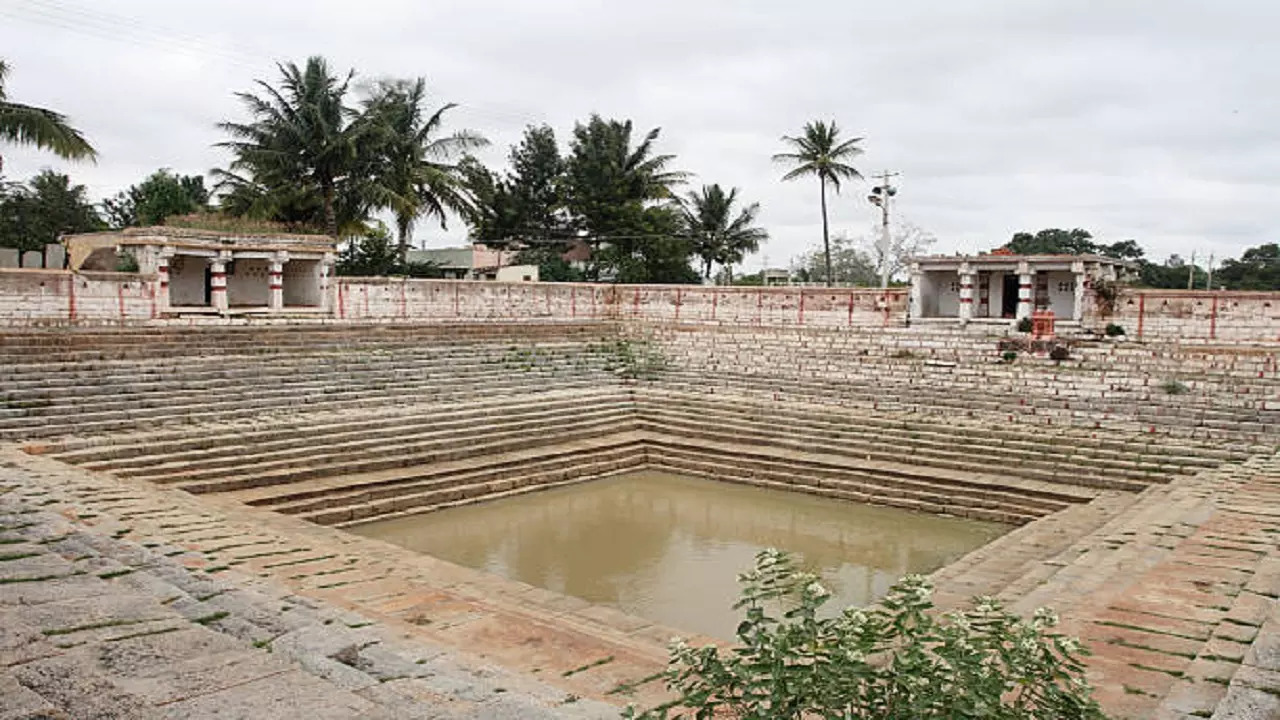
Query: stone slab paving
[[545, 638], [1175, 590], [98, 623]]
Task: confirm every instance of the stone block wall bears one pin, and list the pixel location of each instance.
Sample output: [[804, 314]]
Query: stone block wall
[[1198, 316], [38, 297], [407, 300], [392, 299]]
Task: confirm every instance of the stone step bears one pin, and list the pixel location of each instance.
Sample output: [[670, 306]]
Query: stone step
[[1244, 434], [241, 406], [939, 499], [822, 465], [96, 389], [371, 452], [150, 449], [722, 434], [475, 487], [1110, 446], [854, 428], [1011, 398], [249, 477], [325, 492]]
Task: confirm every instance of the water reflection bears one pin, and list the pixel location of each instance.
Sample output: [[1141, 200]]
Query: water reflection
[[669, 548]]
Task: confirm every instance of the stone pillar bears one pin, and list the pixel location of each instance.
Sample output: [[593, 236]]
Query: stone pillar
[[1026, 286], [162, 278], [1082, 286], [218, 283], [326, 271], [275, 278], [915, 299], [966, 292]]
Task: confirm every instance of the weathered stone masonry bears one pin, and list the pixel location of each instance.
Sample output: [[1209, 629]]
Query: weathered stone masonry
[[433, 394]]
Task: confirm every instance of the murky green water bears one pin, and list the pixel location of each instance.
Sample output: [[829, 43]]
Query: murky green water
[[669, 548]]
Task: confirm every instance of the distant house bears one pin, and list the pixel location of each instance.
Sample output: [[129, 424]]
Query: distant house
[[476, 262], [1001, 287], [775, 276]]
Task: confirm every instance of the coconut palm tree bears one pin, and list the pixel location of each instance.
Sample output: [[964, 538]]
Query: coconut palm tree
[[37, 127], [415, 174], [301, 133], [716, 232], [820, 152]]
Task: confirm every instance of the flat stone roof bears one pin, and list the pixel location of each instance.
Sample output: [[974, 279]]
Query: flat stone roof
[[205, 239], [999, 259]]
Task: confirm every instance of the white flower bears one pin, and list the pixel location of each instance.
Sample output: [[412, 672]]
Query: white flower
[[1046, 616], [816, 589]]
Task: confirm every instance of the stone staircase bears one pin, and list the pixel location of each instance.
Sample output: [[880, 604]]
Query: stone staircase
[[1116, 460], [1228, 396], [128, 384], [343, 467], [97, 624], [1173, 595]]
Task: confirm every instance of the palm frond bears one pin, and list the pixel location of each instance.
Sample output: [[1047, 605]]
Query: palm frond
[[44, 129]]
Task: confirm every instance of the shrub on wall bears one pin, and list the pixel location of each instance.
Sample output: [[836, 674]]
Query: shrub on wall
[[1024, 325], [1107, 293], [1114, 330], [897, 661], [126, 263]]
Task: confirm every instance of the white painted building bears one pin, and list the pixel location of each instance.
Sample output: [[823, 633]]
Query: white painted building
[[1002, 288], [205, 271]]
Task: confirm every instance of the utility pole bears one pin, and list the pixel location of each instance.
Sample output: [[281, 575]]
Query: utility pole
[[882, 196], [1208, 285], [1191, 272]]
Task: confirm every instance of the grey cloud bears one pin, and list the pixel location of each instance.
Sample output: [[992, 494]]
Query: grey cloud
[[1133, 118]]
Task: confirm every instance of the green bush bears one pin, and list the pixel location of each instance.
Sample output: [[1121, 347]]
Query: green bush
[[897, 661], [1024, 325], [1060, 353], [1009, 356], [126, 263], [1174, 387], [1114, 330]]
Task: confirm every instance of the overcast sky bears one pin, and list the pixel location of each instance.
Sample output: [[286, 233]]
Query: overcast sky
[[1157, 120]]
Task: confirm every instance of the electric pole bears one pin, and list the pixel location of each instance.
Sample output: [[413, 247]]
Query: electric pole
[[882, 196], [1208, 285], [1191, 272]]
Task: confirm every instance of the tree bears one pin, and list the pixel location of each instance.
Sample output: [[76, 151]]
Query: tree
[[37, 127], [1123, 250], [525, 208], [375, 254], [1172, 274], [906, 241], [896, 661], [1257, 269], [48, 206], [848, 263], [1053, 241], [492, 213], [716, 232], [162, 195], [413, 176], [536, 188], [301, 135], [618, 193], [819, 152]]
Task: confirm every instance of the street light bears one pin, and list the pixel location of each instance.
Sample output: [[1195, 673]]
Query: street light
[[881, 196]]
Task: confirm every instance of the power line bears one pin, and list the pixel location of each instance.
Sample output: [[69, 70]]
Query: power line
[[122, 29]]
